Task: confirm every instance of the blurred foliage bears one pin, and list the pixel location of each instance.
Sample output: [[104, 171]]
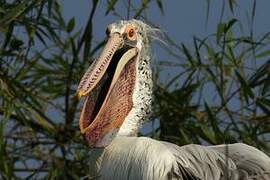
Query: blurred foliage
[[219, 95]]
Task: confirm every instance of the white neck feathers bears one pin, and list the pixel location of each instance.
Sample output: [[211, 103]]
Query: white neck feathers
[[142, 97]]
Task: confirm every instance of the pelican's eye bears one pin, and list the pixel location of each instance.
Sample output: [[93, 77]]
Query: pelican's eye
[[131, 33]]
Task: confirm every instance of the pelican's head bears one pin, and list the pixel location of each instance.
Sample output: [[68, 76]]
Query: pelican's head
[[118, 85]]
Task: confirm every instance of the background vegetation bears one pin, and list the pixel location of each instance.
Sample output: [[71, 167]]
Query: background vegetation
[[219, 93]]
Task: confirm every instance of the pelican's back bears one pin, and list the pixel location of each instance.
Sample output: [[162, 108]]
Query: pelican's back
[[144, 158], [136, 158]]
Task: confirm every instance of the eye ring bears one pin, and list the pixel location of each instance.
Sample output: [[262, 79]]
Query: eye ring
[[131, 33]]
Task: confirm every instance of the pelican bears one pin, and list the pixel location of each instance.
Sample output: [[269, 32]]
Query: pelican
[[118, 93]]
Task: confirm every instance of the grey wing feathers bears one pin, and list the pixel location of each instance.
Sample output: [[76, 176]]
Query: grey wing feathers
[[200, 162], [250, 161], [211, 162]]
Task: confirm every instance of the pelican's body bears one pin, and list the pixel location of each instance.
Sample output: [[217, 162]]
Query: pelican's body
[[124, 101], [144, 158]]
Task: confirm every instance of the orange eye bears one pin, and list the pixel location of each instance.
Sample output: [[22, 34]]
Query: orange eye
[[130, 33]]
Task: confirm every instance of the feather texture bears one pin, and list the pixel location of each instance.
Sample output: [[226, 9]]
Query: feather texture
[[144, 158]]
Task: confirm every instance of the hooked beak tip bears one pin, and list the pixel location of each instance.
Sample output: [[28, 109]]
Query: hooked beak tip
[[80, 94]]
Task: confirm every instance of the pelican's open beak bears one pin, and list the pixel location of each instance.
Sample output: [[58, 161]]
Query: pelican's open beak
[[108, 84]]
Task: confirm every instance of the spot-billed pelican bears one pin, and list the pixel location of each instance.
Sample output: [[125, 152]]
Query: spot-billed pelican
[[118, 90]]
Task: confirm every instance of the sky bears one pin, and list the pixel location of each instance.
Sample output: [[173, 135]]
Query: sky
[[182, 20]]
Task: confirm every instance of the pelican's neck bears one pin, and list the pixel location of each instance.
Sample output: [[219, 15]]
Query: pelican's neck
[[142, 96]]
